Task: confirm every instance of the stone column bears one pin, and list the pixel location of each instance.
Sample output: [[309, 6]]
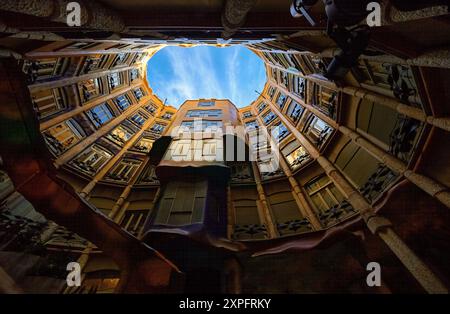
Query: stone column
[[428, 185], [264, 208], [392, 103], [433, 188], [302, 203], [231, 217], [418, 269], [427, 279], [126, 192]]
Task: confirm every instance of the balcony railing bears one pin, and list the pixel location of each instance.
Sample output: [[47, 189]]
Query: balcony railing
[[294, 227], [250, 232]]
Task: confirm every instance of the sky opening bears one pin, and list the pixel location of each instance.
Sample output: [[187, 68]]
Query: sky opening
[[176, 74]]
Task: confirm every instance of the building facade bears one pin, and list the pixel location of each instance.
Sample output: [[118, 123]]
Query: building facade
[[315, 177]]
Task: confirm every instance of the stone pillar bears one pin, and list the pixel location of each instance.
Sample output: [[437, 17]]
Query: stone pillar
[[126, 192], [427, 279], [412, 262], [264, 208], [300, 200], [122, 211], [428, 185], [302, 203], [231, 218], [392, 103]]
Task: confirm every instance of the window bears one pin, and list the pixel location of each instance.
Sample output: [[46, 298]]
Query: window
[[167, 116], [398, 80], [317, 131], [39, 70], [209, 103], [215, 113], [179, 150], [157, 128], [172, 212], [284, 78], [261, 107], [123, 102], [295, 111], [120, 135], [139, 56], [150, 108], [271, 92], [114, 79], [93, 63], [80, 46], [134, 74], [198, 150], [120, 59], [251, 125], [124, 171], [144, 145], [91, 89], [63, 136], [328, 201], [49, 102], [148, 176], [281, 100], [300, 87], [323, 193], [295, 155], [211, 149], [139, 119], [280, 131], [138, 93], [326, 100], [201, 126], [92, 159], [247, 114], [269, 117], [100, 115], [133, 221]]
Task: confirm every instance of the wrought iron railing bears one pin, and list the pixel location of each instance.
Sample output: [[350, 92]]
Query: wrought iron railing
[[296, 226], [336, 214], [378, 182], [402, 139], [250, 232]]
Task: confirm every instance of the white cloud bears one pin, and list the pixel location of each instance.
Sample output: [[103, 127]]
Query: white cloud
[[197, 74]]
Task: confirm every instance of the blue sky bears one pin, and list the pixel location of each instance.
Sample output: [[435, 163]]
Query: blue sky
[[178, 73]]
